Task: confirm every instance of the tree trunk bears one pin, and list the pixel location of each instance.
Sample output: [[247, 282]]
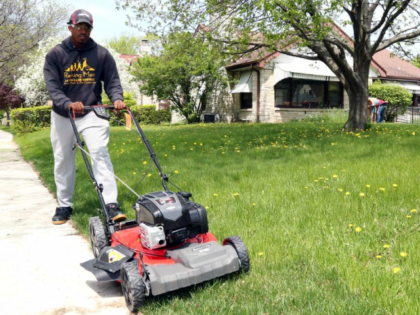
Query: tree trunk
[[8, 118], [358, 96], [358, 114]]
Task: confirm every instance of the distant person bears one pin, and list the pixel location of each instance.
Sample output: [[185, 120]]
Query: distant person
[[381, 110], [373, 104], [73, 72]]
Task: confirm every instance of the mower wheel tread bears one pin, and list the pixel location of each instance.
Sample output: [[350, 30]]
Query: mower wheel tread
[[98, 239], [133, 287], [240, 248]]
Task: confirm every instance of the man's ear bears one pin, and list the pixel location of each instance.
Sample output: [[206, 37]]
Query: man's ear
[[69, 28]]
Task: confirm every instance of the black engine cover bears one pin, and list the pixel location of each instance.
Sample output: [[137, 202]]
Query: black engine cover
[[180, 217]]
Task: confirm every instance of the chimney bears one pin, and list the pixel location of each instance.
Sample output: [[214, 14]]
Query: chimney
[[145, 47]]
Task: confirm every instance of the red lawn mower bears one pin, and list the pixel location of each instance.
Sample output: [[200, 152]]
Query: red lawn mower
[[167, 247]]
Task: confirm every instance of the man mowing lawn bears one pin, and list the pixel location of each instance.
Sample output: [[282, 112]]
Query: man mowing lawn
[[73, 72]]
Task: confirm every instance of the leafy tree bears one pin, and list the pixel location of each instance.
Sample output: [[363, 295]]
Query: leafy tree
[[397, 96], [416, 61], [125, 44], [306, 26], [23, 24], [9, 99], [187, 72]]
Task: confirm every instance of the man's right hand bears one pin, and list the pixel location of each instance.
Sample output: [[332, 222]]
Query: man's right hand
[[77, 107]]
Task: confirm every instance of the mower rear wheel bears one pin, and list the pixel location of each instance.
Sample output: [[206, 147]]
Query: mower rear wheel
[[133, 287], [98, 239], [241, 250]]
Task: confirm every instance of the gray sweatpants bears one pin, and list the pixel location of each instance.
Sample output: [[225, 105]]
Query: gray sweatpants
[[95, 132]]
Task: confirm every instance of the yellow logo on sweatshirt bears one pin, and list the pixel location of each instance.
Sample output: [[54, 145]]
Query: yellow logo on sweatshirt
[[79, 73]]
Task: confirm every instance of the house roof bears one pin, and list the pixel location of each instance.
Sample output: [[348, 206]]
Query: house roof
[[391, 66], [129, 58]]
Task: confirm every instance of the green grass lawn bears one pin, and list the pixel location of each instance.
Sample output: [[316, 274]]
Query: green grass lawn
[[330, 218]]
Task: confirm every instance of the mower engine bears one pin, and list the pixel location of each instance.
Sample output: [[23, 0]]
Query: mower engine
[[167, 218]]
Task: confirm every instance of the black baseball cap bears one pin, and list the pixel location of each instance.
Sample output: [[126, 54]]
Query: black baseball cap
[[81, 16]]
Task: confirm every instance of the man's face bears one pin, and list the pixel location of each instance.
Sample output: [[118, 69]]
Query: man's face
[[80, 33]]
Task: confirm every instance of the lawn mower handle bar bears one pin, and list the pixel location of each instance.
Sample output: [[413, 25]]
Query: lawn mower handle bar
[[152, 154]]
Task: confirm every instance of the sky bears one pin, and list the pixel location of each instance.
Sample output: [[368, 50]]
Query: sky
[[108, 22]]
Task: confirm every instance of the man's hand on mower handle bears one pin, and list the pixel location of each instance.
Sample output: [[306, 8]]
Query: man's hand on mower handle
[[118, 105], [78, 107]]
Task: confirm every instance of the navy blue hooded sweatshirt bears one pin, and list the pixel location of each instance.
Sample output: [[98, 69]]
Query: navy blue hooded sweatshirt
[[75, 75]]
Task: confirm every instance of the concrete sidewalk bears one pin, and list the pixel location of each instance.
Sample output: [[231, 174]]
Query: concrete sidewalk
[[40, 263]]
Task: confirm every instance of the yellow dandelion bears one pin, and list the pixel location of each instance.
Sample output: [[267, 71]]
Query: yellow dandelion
[[165, 155], [335, 176], [394, 185], [144, 162], [368, 186], [176, 172], [358, 229], [347, 193], [396, 269], [403, 254], [351, 225], [306, 187], [260, 253], [340, 189], [408, 216], [254, 204], [386, 246], [215, 194], [207, 207], [315, 180], [381, 189], [413, 210], [134, 173], [414, 133], [378, 256], [149, 175], [236, 194], [361, 194]]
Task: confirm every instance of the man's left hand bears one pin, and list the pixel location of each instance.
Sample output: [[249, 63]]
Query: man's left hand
[[119, 105]]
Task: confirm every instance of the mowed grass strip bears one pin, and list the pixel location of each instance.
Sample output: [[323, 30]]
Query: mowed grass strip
[[330, 218]]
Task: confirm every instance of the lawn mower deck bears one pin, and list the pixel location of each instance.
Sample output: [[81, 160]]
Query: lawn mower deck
[[163, 270]]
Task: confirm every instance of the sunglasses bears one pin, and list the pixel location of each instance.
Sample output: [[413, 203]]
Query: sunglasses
[[86, 28]]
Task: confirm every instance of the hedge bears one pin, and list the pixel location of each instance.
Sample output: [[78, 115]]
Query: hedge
[[34, 118], [30, 119]]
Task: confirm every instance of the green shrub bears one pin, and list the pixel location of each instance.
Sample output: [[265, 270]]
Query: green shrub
[[397, 96], [30, 119], [147, 114]]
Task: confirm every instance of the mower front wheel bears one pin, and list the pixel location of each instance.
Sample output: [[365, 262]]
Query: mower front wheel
[[133, 287], [241, 250], [97, 235]]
